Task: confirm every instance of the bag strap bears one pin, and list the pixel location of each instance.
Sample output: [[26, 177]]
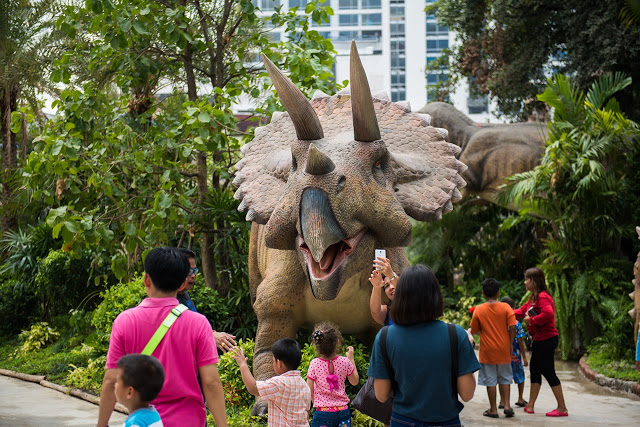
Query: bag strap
[[385, 356], [163, 328], [453, 342]]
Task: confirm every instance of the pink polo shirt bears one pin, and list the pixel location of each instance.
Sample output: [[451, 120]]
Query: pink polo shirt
[[188, 345]]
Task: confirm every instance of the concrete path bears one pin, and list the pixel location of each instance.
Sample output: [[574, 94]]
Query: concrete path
[[25, 404], [588, 404]]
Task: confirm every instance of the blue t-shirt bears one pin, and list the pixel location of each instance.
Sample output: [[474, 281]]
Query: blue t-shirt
[[421, 360], [515, 350], [145, 417]]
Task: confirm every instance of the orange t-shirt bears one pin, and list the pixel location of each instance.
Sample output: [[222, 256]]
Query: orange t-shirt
[[492, 321]]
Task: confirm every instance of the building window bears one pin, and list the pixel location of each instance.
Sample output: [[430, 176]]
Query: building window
[[322, 23], [348, 20], [434, 46], [396, 12], [349, 35], [397, 46], [266, 5], [371, 19], [325, 34], [396, 29], [434, 29], [371, 35], [397, 62], [371, 4], [398, 78], [300, 4], [399, 94], [433, 78], [348, 4]]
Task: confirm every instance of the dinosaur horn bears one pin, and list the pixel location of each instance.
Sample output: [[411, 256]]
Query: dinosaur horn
[[304, 117], [365, 124], [318, 163]]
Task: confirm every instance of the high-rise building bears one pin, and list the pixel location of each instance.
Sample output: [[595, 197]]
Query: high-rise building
[[396, 40]]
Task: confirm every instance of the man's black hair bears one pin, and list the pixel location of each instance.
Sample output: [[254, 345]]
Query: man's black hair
[[188, 253], [144, 373], [167, 267], [509, 301], [287, 351], [490, 288]]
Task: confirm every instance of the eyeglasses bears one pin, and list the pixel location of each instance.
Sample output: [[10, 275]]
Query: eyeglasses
[[194, 271]]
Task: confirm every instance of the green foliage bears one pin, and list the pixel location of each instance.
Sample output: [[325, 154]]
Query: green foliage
[[460, 314], [87, 377], [509, 48], [114, 301], [603, 363], [584, 195], [37, 337], [615, 337], [16, 309], [235, 392], [62, 283]]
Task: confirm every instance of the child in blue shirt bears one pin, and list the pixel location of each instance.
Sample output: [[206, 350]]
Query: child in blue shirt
[[518, 357], [139, 380]]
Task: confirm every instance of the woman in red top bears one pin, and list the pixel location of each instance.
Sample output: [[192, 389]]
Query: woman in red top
[[539, 314]]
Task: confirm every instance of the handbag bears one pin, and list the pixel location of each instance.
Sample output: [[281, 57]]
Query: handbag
[[366, 401]]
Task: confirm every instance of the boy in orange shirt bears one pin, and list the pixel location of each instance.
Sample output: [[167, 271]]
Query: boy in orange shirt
[[496, 324]]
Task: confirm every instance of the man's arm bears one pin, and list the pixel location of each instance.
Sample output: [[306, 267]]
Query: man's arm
[[512, 334], [523, 351], [213, 393], [224, 341], [107, 397], [466, 386]]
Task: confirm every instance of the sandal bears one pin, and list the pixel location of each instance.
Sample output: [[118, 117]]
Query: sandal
[[490, 415], [556, 413], [500, 406], [508, 413], [522, 405], [529, 411]]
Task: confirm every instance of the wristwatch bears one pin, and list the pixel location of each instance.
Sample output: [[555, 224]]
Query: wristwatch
[[395, 276]]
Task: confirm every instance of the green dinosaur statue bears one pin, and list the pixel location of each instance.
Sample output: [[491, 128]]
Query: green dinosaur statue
[[325, 184]]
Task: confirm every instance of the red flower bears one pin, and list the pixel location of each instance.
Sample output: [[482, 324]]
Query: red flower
[[472, 309]]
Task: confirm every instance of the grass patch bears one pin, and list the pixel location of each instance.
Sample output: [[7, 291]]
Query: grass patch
[[600, 362]]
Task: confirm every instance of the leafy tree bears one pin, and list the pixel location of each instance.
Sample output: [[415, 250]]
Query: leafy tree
[[509, 48], [132, 171], [27, 49], [584, 194]]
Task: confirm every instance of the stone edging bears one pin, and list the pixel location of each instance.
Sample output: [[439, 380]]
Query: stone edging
[[621, 385], [40, 379]]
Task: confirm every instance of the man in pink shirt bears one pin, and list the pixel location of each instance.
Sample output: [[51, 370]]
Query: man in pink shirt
[[187, 349]]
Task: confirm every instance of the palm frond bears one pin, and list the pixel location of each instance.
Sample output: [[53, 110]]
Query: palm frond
[[605, 87]]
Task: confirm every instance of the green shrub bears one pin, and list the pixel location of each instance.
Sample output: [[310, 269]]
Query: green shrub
[[600, 360], [88, 377], [115, 300], [460, 314], [235, 392], [62, 283], [37, 337], [16, 309]]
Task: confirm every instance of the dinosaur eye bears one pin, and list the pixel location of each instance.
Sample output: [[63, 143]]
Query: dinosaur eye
[[377, 165]]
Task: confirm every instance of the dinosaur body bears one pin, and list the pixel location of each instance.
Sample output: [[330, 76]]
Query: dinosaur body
[[325, 184], [491, 152]]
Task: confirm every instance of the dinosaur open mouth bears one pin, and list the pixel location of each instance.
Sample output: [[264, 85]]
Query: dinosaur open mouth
[[334, 256]]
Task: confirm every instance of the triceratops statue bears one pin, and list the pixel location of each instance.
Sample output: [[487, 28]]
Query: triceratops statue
[[325, 184]]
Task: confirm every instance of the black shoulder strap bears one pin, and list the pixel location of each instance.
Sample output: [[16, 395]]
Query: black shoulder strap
[[453, 342], [385, 357]]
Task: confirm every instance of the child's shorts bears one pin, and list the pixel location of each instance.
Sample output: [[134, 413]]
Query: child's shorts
[[518, 372], [492, 375]]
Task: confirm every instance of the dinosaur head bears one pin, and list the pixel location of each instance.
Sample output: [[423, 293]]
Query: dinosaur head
[[338, 187]]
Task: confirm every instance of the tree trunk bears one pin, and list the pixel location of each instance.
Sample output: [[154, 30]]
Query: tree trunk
[[8, 104]]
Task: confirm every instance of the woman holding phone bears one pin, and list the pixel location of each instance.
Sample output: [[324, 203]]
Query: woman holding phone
[[539, 314], [379, 311]]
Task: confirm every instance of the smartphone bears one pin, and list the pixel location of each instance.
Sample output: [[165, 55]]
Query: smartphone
[[380, 253], [531, 312]]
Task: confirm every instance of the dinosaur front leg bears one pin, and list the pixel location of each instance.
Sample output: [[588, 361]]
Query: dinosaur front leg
[[278, 307]]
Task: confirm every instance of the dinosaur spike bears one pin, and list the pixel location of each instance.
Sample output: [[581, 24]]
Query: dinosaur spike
[[345, 91], [405, 105], [260, 130], [244, 148], [277, 115], [365, 123], [239, 194], [448, 207], [243, 205], [443, 132], [318, 163], [456, 196], [319, 94], [251, 215], [382, 95], [304, 117], [426, 118]]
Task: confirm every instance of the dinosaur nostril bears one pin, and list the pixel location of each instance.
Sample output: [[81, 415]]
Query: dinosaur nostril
[[341, 182]]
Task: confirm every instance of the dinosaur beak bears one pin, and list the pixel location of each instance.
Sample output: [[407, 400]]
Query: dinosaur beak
[[320, 230]]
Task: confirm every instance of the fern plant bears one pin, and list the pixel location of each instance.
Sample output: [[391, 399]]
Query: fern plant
[[583, 193]]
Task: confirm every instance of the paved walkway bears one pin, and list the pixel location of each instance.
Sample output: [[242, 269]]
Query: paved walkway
[[588, 404], [28, 404], [25, 404]]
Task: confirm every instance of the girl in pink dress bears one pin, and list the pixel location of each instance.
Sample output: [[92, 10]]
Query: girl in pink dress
[[326, 376]]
